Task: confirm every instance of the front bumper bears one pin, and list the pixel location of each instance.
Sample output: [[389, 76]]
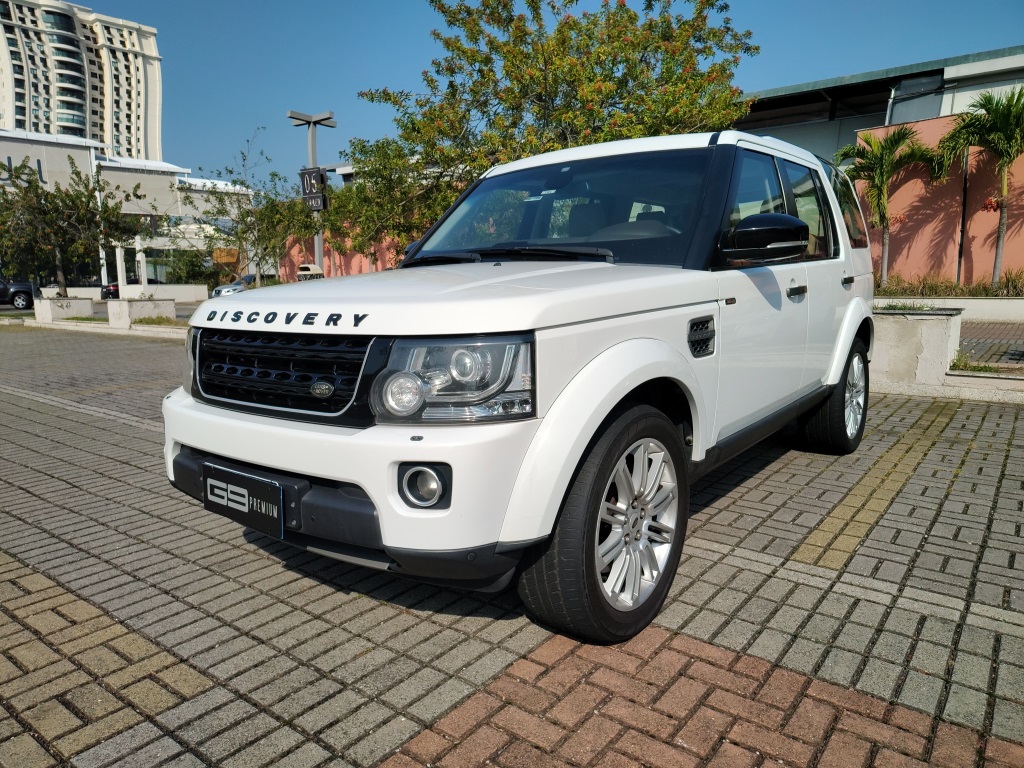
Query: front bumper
[[345, 483]]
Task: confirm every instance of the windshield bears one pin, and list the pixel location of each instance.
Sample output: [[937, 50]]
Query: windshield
[[639, 207]]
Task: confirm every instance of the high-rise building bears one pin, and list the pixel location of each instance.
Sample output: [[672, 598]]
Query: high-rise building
[[66, 70]]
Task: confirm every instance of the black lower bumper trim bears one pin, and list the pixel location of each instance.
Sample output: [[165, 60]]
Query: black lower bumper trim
[[338, 520]]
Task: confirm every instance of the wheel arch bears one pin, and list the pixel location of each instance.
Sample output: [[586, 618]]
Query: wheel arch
[[641, 371], [857, 324]]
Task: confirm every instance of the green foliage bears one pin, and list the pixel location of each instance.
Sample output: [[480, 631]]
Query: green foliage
[[996, 125], [169, 321], [878, 162], [519, 77], [1011, 285], [62, 228], [962, 362], [254, 215], [187, 266]]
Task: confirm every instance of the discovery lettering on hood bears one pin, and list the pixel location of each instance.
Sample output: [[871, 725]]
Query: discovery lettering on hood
[[327, 320]]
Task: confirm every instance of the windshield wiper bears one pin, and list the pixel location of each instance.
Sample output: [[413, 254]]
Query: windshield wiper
[[577, 252], [441, 258]]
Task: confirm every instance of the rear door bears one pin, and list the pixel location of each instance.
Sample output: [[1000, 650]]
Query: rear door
[[808, 201]]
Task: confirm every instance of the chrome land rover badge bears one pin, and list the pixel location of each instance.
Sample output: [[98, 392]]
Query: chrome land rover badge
[[321, 389]]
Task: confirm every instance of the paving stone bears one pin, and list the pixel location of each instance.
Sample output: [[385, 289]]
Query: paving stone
[[921, 692], [118, 747], [1008, 720], [879, 678], [965, 706]]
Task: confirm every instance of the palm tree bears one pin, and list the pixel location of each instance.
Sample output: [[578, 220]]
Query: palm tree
[[877, 161], [996, 125]]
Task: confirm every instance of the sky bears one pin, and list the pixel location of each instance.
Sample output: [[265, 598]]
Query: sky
[[231, 69]]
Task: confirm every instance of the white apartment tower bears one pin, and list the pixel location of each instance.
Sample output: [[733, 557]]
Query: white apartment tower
[[66, 70]]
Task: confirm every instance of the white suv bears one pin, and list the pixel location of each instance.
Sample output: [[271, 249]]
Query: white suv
[[532, 394]]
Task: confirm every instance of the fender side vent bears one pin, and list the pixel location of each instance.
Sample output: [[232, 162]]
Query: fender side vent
[[701, 336]]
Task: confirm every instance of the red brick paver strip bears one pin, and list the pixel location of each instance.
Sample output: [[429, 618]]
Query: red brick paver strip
[[717, 708]]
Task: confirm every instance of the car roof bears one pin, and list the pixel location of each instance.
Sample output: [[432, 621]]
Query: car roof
[[654, 144]]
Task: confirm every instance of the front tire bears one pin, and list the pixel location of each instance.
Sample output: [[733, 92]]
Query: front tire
[[21, 301], [606, 570], [837, 425]]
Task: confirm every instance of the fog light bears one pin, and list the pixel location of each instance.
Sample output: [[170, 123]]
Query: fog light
[[423, 486]]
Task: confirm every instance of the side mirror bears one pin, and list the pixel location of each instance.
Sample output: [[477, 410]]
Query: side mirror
[[409, 247], [763, 238]]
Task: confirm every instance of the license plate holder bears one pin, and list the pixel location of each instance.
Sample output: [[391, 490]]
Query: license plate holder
[[253, 501]]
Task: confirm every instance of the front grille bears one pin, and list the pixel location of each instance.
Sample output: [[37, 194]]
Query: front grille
[[279, 370], [701, 336]]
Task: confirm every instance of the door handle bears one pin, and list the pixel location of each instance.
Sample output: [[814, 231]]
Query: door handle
[[848, 280], [796, 290]]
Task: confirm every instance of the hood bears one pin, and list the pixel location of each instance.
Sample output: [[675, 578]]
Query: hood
[[458, 298]]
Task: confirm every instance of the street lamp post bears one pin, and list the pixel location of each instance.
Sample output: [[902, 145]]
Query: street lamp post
[[326, 119]]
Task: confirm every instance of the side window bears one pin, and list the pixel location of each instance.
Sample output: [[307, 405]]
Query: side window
[[756, 188], [810, 209], [852, 217]]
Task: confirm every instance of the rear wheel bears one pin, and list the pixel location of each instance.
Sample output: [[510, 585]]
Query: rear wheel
[[21, 301], [606, 570], [837, 425]]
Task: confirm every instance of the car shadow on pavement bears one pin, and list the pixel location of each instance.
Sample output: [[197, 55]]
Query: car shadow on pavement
[[411, 594], [400, 592]]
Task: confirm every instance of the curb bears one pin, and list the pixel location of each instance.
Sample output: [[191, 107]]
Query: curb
[[134, 330]]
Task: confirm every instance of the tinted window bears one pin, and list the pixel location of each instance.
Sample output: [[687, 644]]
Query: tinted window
[[810, 208], [852, 217], [756, 188], [642, 207]]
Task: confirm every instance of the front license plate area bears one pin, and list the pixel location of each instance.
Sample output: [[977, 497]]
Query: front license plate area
[[253, 501]]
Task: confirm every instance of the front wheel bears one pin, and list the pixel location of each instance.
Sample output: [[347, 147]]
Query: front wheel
[[606, 570], [837, 425], [21, 301]]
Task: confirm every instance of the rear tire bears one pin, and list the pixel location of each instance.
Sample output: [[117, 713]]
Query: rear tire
[[21, 301], [837, 425], [605, 572]]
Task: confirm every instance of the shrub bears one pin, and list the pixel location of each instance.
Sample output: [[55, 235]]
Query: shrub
[[1010, 286]]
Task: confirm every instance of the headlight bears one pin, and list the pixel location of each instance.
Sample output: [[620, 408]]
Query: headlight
[[456, 380], [190, 359]]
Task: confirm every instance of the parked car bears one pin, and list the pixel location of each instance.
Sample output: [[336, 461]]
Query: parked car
[[244, 282], [530, 396], [112, 291], [17, 294]]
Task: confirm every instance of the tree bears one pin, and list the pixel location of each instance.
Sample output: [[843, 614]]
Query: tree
[[519, 77], [239, 209], [878, 162], [42, 229], [996, 126]]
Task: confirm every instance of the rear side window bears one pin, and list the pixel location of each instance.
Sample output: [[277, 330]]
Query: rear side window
[[810, 209], [852, 217]]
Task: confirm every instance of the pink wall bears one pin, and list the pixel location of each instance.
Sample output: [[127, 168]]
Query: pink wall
[[300, 251], [925, 234]]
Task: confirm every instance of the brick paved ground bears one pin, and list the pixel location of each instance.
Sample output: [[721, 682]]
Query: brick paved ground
[[853, 611], [995, 343]]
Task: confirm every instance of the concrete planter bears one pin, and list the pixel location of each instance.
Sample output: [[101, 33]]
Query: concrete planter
[[914, 346], [124, 312], [982, 310], [49, 310]]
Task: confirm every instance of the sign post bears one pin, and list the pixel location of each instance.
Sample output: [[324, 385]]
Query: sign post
[[315, 173], [314, 188]]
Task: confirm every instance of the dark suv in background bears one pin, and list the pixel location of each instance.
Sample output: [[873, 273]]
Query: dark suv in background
[[18, 294]]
